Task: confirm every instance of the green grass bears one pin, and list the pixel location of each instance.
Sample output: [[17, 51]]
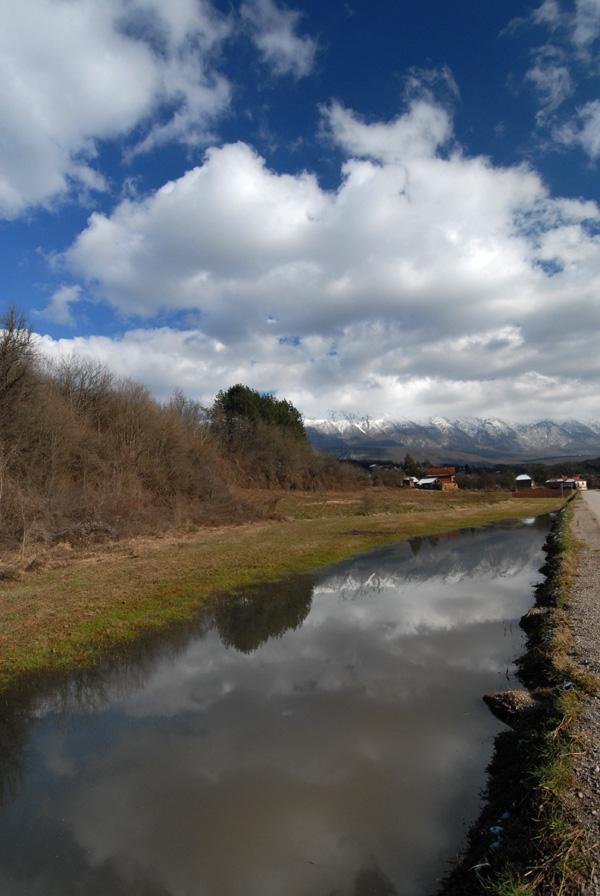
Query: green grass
[[70, 611], [547, 854], [510, 883]]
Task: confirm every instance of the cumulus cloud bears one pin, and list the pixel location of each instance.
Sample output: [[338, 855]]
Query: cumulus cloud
[[274, 33], [417, 134], [144, 72], [426, 282], [58, 310], [75, 72]]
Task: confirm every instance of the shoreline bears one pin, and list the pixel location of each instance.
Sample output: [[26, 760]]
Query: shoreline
[[512, 849], [539, 827], [68, 608]]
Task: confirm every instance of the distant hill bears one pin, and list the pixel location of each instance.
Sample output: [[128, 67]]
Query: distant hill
[[490, 441]]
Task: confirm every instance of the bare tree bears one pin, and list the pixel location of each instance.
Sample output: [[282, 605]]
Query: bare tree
[[17, 362], [86, 384], [195, 416]]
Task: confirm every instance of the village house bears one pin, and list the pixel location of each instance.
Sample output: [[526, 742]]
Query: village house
[[444, 475], [572, 482], [440, 478], [410, 482], [524, 481]]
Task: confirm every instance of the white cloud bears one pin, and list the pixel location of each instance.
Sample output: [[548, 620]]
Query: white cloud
[[552, 81], [74, 71], [274, 32], [58, 310], [146, 72], [583, 130], [586, 23], [548, 13], [578, 22], [568, 62], [426, 283], [417, 134]]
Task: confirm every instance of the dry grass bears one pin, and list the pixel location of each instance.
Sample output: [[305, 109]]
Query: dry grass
[[530, 784], [70, 605]]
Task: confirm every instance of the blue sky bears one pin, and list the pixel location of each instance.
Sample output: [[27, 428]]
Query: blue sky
[[387, 209]]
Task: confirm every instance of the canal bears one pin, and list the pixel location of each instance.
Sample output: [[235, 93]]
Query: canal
[[325, 736]]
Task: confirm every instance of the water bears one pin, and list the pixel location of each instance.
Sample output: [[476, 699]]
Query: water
[[321, 737]]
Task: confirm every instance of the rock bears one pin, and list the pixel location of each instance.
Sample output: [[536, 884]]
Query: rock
[[518, 708]]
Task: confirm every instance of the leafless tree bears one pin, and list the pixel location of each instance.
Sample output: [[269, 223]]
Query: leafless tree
[[17, 362], [86, 384]]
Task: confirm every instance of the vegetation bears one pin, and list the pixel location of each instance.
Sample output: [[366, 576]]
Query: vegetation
[[85, 456], [122, 515], [541, 850], [72, 606], [147, 493], [241, 411]]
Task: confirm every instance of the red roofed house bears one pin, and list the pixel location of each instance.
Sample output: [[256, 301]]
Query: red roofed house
[[444, 475], [573, 482]]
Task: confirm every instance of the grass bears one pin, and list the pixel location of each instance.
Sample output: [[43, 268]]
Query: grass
[[561, 852], [70, 607], [531, 775]]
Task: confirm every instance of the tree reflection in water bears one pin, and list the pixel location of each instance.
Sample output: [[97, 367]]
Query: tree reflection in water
[[316, 736], [248, 619]]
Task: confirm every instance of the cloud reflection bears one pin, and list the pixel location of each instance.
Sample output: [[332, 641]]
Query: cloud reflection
[[334, 753]]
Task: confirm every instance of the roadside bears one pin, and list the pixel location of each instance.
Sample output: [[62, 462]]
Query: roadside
[[584, 620], [539, 829]]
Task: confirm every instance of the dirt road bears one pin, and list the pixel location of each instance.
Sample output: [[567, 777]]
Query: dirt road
[[592, 499], [584, 614]]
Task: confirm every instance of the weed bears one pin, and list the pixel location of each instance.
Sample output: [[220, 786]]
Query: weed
[[510, 883]]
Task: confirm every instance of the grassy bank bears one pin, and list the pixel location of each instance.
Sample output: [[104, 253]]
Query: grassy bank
[[526, 841], [60, 608]]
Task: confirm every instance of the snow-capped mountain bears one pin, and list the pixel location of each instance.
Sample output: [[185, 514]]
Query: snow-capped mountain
[[458, 441]]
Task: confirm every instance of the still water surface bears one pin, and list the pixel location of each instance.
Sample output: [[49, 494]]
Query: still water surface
[[325, 736]]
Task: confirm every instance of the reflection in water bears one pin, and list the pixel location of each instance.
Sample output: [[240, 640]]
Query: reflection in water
[[249, 619], [327, 738]]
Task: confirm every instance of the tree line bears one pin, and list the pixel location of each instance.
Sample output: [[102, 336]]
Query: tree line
[[86, 455]]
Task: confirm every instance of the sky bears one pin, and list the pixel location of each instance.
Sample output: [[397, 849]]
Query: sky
[[387, 209]]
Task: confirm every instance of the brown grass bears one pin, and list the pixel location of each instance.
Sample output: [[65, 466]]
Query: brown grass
[[66, 606]]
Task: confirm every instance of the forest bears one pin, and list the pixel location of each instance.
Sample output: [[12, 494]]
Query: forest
[[85, 455]]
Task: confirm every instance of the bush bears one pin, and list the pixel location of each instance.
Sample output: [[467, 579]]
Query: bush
[[84, 455]]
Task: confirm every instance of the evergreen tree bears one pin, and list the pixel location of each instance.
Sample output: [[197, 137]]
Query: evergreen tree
[[241, 408], [410, 466]]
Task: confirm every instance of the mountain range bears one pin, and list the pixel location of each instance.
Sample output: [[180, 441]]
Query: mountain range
[[442, 441]]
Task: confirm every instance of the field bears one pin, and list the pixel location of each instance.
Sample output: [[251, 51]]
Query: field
[[66, 607]]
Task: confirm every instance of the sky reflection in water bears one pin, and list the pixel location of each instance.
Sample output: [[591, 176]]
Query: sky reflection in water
[[328, 737]]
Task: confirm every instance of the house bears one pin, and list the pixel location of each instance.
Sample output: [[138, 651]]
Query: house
[[563, 482], [409, 482], [430, 482], [444, 475], [524, 481], [439, 478]]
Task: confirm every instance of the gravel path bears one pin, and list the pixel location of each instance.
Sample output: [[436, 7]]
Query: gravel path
[[584, 614]]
